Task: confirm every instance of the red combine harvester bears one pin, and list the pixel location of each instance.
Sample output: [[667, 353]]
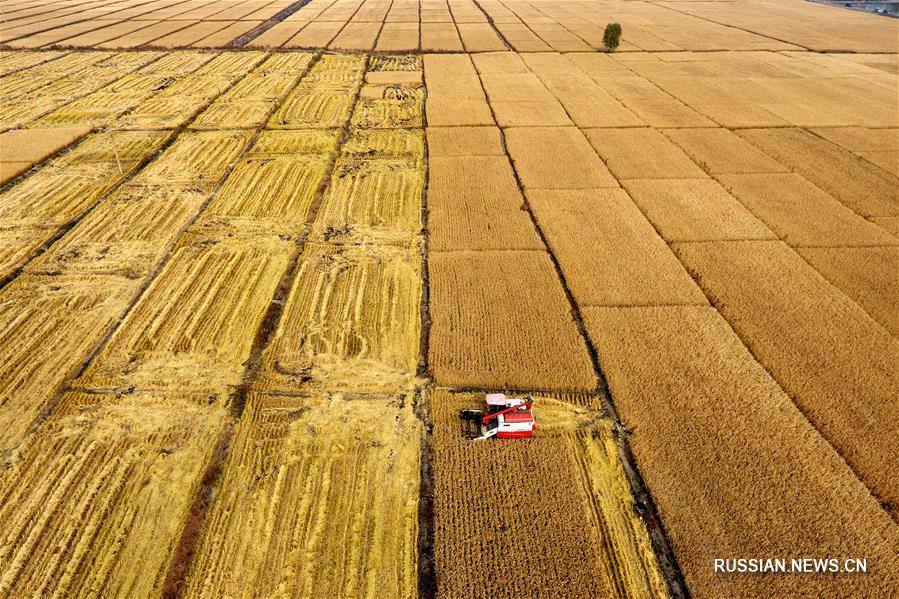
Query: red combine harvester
[[504, 418]]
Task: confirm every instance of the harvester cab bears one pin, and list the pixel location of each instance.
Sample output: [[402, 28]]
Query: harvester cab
[[502, 417]]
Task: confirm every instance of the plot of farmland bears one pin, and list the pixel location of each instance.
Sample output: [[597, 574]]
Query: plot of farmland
[[351, 321], [797, 342], [714, 434], [256, 256], [318, 498], [493, 313], [579, 527], [103, 484]]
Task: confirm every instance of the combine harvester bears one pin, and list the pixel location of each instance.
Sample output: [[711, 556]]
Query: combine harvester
[[503, 418]]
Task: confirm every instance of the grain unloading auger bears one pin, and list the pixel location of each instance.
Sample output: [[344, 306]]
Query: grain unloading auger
[[503, 418]]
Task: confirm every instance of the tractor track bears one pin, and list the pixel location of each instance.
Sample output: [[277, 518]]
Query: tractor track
[[427, 574]]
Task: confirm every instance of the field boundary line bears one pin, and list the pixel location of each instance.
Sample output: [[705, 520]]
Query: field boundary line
[[427, 571], [498, 33], [647, 510], [242, 40]]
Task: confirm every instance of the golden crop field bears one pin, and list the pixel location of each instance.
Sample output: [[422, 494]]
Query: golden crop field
[[256, 256]]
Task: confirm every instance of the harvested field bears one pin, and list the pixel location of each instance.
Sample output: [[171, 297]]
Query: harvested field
[[493, 314], [276, 192], [600, 235], [351, 322], [66, 186], [39, 315], [694, 210], [105, 483], [834, 361], [571, 471], [194, 326], [394, 144], [127, 235], [372, 201], [197, 160], [310, 483], [294, 143], [713, 434]]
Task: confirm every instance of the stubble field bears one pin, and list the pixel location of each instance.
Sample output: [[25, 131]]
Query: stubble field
[[255, 256]]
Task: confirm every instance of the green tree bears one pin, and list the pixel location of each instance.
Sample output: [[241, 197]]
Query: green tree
[[611, 36]]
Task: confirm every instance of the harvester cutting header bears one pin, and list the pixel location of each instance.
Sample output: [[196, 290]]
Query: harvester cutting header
[[503, 418]]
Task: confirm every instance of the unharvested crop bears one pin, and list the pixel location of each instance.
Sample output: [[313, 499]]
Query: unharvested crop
[[494, 314], [556, 509], [642, 153], [574, 164], [608, 251], [801, 213], [861, 186], [722, 151], [867, 275], [104, 484], [455, 96], [350, 322], [474, 203], [836, 363], [464, 141], [319, 498], [694, 210], [715, 436]]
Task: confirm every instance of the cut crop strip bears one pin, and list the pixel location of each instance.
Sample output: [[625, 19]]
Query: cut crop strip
[[198, 522], [98, 335], [47, 98]]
